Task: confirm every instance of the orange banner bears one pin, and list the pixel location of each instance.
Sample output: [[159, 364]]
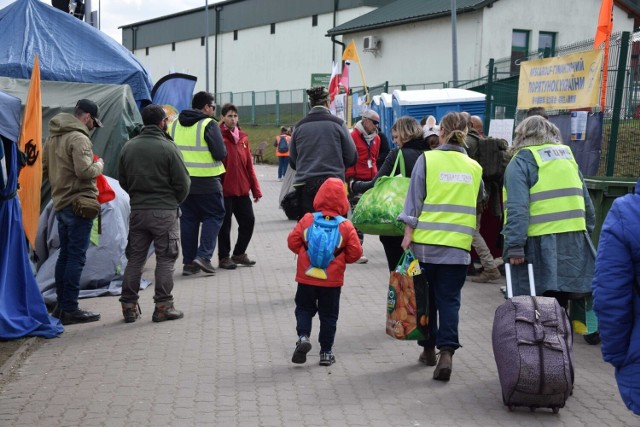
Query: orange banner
[[30, 178]]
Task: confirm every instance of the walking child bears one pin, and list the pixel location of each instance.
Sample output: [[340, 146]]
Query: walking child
[[325, 243]]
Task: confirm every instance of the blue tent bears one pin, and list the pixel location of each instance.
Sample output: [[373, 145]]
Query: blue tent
[[69, 49], [22, 308]]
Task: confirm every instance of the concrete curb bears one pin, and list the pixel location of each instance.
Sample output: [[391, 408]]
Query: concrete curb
[[17, 358]]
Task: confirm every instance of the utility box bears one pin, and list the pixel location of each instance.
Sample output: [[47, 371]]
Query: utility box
[[436, 102], [603, 191]]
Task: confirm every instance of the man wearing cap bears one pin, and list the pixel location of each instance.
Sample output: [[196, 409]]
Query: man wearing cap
[[68, 164], [198, 138], [321, 148], [365, 136], [151, 170]]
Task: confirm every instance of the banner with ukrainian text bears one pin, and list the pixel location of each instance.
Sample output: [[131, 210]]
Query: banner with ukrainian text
[[561, 83]]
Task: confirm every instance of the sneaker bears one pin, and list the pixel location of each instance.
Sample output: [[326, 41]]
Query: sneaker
[[363, 260], [327, 358], [487, 276], [78, 316], [302, 348], [190, 269], [243, 260], [227, 264], [205, 265]]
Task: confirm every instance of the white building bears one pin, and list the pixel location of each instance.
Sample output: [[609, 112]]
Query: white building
[[260, 45]]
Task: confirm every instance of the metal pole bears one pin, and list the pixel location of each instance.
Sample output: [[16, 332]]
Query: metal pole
[[617, 103], [454, 43], [206, 43], [99, 13]]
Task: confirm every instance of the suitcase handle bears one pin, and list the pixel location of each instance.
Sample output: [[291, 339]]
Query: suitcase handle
[[532, 283]]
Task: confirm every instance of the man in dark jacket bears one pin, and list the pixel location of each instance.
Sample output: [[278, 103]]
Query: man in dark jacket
[[321, 148], [68, 164], [151, 170], [198, 137]]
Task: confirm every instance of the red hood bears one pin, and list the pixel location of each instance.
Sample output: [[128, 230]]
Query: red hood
[[331, 198]]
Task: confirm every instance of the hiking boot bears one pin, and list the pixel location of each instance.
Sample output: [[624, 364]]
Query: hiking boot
[[131, 311], [227, 264], [327, 358], [166, 311], [190, 269], [205, 265], [443, 369], [78, 316], [243, 260], [487, 276], [363, 260], [428, 356], [302, 348]]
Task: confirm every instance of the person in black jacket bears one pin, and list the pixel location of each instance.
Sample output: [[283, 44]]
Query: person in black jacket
[[384, 148], [408, 136]]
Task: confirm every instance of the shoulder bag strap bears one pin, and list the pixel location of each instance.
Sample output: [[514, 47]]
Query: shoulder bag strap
[[399, 160]]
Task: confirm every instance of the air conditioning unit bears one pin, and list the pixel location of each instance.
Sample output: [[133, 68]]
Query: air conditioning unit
[[370, 42]]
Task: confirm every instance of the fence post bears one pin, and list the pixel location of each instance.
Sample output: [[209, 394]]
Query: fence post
[[489, 98], [305, 104], [386, 86], [277, 108], [253, 108], [403, 87], [617, 102]]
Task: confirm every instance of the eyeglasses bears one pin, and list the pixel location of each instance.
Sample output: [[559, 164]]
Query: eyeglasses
[[375, 122]]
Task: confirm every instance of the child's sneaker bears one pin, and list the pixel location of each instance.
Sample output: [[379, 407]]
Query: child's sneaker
[[302, 348], [327, 358]]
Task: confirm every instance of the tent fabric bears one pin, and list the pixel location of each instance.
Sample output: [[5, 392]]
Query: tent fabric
[[22, 308], [106, 261], [118, 113], [70, 50], [9, 116]]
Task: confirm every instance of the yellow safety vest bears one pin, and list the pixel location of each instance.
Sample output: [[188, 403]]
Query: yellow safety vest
[[448, 216], [556, 201], [195, 151]]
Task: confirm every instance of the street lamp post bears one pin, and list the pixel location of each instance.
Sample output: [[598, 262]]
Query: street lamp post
[[454, 43], [206, 42]]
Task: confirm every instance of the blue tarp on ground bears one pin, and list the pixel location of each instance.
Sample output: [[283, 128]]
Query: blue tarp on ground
[[22, 308], [69, 50]]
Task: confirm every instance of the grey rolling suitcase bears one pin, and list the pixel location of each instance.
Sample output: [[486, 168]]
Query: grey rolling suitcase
[[533, 345]]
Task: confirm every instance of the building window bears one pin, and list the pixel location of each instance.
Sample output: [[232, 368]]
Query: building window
[[201, 41], [519, 49], [547, 44], [235, 34], [146, 51], [314, 20], [273, 28], [173, 46]]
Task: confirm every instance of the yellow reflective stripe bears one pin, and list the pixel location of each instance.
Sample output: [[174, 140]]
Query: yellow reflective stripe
[[441, 226], [557, 216], [449, 208], [552, 194]]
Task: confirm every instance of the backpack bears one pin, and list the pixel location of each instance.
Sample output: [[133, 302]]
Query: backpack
[[322, 240], [283, 145], [493, 157]]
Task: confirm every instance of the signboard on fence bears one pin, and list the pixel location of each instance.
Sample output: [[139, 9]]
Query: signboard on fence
[[320, 79], [561, 83]]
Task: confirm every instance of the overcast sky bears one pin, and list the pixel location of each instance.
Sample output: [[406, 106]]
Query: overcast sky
[[116, 13]]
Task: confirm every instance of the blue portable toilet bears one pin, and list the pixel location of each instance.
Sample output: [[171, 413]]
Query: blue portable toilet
[[387, 111], [375, 106], [437, 103]]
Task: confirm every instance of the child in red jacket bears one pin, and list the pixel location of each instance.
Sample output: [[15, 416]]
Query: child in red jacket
[[320, 293]]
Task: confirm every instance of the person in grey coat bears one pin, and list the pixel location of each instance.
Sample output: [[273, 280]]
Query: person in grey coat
[[543, 170]]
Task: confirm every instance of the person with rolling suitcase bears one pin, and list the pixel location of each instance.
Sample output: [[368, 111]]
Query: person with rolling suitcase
[[533, 346]]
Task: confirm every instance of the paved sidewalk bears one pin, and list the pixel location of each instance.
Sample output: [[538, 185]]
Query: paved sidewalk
[[228, 362]]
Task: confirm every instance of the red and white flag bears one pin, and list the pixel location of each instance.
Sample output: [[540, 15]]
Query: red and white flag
[[334, 84], [344, 78]]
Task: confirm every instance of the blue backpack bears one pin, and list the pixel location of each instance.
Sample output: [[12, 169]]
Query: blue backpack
[[283, 146], [322, 240]]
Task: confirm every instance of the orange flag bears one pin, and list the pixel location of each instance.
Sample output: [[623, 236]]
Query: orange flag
[[605, 23], [351, 53], [30, 178]]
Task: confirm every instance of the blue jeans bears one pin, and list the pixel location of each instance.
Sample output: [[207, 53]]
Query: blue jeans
[[324, 301], [74, 233], [207, 209], [283, 162], [445, 286]]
